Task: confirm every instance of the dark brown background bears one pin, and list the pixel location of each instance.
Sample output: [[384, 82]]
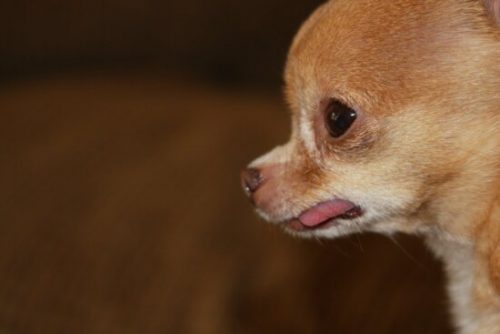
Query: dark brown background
[[123, 128]]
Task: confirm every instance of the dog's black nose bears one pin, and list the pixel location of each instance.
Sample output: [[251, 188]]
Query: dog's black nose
[[251, 179]]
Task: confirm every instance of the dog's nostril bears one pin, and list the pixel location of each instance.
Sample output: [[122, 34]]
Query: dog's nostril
[[251, 179]]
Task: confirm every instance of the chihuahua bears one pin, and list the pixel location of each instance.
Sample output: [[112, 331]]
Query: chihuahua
[[395, 128]]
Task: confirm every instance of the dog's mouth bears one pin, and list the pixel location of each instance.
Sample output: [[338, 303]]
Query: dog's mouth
[[324, 215]]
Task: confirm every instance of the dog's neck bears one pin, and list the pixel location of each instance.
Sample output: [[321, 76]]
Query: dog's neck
[[458, 258], [470, 265]]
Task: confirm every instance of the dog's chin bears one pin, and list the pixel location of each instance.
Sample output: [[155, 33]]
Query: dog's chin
[[329, 219], [330, 229], [355, 220], [339, 227]]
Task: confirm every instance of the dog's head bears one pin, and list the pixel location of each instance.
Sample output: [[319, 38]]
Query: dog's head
[[392, 107]]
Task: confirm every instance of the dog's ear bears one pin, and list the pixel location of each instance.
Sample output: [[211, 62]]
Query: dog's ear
[[493, 8], [491, 238], [494, 267]]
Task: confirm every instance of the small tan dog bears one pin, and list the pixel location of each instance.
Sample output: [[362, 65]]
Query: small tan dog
[[396, 128]]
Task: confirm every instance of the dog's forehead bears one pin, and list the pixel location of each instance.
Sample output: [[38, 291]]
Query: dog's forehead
[[365, 49]]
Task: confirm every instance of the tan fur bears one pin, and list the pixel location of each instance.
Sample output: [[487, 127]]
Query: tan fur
[[424, 154]]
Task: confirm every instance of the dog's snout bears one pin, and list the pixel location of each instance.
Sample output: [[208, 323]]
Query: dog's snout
[[251, 179]]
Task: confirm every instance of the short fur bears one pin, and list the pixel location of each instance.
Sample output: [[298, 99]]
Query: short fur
[[423, 155]]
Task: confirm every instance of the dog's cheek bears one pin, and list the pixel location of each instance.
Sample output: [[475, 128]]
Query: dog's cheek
[[385, 187]]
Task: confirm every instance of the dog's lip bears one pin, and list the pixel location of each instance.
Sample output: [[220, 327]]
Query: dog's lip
[[297, 226], [324, 215], [325, 211]]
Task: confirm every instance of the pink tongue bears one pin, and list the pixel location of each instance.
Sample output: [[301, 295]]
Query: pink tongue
[[325, 211]]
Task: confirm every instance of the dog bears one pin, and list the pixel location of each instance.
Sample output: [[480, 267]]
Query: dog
[[396, 128]]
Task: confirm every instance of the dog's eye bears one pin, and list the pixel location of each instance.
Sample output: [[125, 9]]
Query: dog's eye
[[339, 118]]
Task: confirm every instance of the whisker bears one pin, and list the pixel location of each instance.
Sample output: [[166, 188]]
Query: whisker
[[406, 253]]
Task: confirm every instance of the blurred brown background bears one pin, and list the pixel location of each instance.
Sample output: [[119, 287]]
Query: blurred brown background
[[123, 128]]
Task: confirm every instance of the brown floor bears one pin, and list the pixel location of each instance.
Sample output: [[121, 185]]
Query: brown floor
[[121, 212]]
